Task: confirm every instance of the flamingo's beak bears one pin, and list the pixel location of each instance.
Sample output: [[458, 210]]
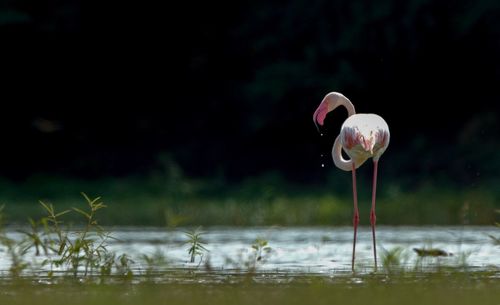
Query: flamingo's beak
[[320, 114]]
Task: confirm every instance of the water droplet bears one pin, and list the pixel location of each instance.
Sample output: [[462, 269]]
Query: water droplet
[[322, 165], [321, 155], [321, 134]]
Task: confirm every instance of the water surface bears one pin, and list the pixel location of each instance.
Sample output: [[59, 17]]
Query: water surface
[[319, 250]]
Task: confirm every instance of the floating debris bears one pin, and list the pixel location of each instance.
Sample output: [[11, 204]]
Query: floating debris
[[432, 252]]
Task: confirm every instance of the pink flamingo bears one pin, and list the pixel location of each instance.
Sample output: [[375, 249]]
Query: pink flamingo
[[362, 136]]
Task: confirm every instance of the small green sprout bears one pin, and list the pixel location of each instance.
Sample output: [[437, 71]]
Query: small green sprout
[[260, 246], [197, 246]]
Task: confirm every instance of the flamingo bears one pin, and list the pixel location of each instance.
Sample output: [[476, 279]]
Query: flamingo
[[362, 136]]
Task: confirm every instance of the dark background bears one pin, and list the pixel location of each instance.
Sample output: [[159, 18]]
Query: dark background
[[229, 89]]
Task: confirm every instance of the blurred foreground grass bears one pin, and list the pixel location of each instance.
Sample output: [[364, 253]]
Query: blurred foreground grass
[[453, 289], [173, 200]]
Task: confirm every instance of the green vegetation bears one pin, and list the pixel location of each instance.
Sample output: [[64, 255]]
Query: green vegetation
[[196, 245], [90, 274], [81, 251], [266, 200], [394, 259], [261, 248]]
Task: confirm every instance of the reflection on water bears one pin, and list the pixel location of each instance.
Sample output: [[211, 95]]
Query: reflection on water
[[319, 250]]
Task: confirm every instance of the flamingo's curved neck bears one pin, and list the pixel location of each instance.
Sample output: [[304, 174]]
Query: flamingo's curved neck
[[340, 162], [335, 99], [348, 105]]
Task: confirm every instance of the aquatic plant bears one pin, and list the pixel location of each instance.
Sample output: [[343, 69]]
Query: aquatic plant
[[82, 252], [153, 262], [394, 260], [262, 250], [248, 260], [196, 245]]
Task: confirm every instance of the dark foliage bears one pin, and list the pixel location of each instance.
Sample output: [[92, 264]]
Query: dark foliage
[[229, 89]]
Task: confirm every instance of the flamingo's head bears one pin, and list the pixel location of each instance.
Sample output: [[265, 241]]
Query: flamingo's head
[[320, 114], [331, 101]]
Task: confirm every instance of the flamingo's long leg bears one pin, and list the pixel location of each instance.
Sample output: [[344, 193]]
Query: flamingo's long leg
[[373, 216], [355, 219]]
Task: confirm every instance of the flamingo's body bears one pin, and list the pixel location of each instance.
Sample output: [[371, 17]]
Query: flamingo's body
[[362, 136]]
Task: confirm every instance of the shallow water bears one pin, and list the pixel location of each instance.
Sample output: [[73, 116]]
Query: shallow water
[[319, 250]]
